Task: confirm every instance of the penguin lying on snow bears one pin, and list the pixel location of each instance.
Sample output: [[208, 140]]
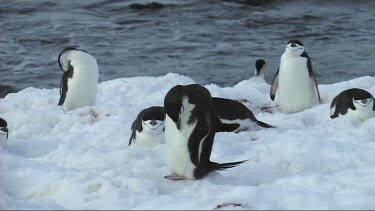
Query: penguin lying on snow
[[148, 127], [295, 79], [235, 116], [190, 127], [354, 103], [79, 83], [3, 131]]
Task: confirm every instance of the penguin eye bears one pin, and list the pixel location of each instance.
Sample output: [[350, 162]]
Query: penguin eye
[[363, 102]]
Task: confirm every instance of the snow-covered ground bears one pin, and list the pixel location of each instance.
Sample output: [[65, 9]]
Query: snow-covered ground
[[80, 159]]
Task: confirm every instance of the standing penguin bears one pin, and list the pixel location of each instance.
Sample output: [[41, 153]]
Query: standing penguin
[[3, 131], [148, 127], [235, 116], [190, 126], [79, 83], [259, 68], [295, 79], [354, 103]]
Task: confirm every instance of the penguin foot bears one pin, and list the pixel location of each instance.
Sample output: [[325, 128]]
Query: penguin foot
[[175, 177]]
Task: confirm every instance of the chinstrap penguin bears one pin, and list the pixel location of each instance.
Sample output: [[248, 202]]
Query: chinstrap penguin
[[295, 80], [354, 103], [3, 131], [190, 127], [259, 68], [79, 83], [235, 116], [148, 127]]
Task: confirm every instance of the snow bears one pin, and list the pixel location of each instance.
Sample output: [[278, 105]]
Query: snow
[[80, 159]]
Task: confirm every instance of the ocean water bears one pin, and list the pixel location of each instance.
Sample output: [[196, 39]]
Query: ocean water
[[209, 41]]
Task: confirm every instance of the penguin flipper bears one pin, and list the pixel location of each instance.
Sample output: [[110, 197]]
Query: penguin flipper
[[316, 86], [275, 84], [132, 138], [312, 76], [200, 143], [136, 126], [64, 84]]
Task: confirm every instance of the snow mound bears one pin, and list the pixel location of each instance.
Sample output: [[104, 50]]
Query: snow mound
[[80, 159]]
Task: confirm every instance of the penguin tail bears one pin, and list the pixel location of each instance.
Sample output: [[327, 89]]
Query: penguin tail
[[224, 166], [202, 171], [264, 125]]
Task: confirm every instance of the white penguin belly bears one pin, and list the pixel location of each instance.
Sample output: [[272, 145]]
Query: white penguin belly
[[178, 155], [296, 88], [361, 113], [145, 139], [82, 90]]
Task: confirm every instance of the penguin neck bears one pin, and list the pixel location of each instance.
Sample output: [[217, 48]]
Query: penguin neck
[[259, 73], [291, 55]]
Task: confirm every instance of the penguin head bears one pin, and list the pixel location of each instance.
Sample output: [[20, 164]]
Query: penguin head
[[295, 48], [3, 130], [153, 120], [259, 67], [184, 104], [64, 58], [363, 100], [173, 102]]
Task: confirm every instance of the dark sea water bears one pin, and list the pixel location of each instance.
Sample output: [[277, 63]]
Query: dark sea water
[[209, 41]]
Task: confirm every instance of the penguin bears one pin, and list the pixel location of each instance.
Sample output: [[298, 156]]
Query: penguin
[[295, 79], [259, 68], [258, 76], [79, 83], [148, 127], [190, 127], [235, 116], [355, 103], [3, 131]]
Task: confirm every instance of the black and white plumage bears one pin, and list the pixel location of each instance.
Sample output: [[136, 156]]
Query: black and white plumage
[[355, 103], [190, 127], [148, 127], [259, 68], [295, 80], [259, 72], [79, 83], [235, 116], [4, 132]]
